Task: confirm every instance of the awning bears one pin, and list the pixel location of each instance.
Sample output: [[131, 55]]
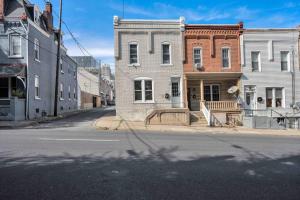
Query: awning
[[12, 70], [213, 75]]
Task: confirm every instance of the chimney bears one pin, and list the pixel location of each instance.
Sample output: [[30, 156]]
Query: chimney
[[48, 15], [2, 6]]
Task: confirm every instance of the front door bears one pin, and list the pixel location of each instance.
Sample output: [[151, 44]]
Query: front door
[[176, 92], [250, 93]]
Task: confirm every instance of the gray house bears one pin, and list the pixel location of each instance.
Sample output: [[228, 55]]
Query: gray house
[[270, 86], [28, 63], [149, 66]]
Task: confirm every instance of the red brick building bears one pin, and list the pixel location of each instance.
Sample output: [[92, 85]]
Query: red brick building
[[212, 66]]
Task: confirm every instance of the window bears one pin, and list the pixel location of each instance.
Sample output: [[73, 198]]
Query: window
[[198, 56], [74, 94], [133, 53], [225, 58], [69, 92], [36, 49], [61, 91], [274, 98], [284, 61], [37, 87], [212, 93], [61, 66], [143, 90], [4, 88], [175, 89], [15, 45], [166, 55], [255, 58]]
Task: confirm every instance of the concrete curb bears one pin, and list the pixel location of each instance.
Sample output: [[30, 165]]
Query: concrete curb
[[112, 124]]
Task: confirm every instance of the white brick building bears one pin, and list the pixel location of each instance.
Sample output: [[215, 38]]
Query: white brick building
[[149, 66]]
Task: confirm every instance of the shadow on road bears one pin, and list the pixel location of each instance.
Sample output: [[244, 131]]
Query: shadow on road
[[148, 176], [76, 119]]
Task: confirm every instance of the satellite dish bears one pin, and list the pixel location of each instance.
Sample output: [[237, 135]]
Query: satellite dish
[[233, 90]]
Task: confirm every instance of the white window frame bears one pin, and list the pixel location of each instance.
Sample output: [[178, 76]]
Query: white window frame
[[69, 93], [74, 94], [61, 66], [259, 61], [137, 54], [36, 48], [143, 79], [229, 57], [162, 54], [211, 90], [61, 92], [37, 85], [288, 61], [201, 57], [274, 97], [11, 55]]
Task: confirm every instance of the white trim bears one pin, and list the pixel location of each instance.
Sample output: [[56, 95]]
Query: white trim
[[143, 79], [37, 84], [211, 91], [201, 56], [11, 48], [259, 60], [137, 64], [229, 57], [162, 54], [36, 48], [288, 61]]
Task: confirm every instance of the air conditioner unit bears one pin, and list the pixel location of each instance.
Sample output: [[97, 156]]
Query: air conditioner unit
[[198, 66]]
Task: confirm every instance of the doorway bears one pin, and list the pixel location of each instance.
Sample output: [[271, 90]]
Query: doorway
[[176, 92]]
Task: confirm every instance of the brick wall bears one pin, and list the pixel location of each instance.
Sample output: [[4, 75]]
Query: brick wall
[[212, 39]]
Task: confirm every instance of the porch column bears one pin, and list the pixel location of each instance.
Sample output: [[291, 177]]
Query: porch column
[[185, 92], [201, 92]]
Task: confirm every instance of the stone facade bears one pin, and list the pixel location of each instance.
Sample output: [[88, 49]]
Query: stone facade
[[149, 36]]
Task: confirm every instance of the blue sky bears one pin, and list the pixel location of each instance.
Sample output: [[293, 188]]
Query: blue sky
[[91, 20]]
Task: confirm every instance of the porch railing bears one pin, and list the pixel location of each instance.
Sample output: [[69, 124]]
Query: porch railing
[[206, 113], [222, 105]]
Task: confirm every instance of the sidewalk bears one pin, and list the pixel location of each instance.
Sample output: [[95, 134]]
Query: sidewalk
[[109, 122], [26, 123]]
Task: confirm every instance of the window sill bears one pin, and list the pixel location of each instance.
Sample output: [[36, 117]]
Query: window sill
[[61, 99], [134, 65], [166, 65], [37, 98], [16, 57], [62, 72], [37, 60], [144, 102]]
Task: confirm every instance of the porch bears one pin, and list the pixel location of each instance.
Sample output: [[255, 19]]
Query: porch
[[12, 93], [208, 93]]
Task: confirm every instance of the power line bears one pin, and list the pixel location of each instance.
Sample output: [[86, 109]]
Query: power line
[[79, 45], [32, 41]]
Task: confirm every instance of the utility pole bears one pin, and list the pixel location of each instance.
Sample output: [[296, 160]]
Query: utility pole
[[58, 61]]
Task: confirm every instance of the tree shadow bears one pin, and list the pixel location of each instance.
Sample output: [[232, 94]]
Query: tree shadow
[[151, 175], [74, 120]]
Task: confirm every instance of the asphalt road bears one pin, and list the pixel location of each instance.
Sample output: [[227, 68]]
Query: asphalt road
[[69, 159]]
